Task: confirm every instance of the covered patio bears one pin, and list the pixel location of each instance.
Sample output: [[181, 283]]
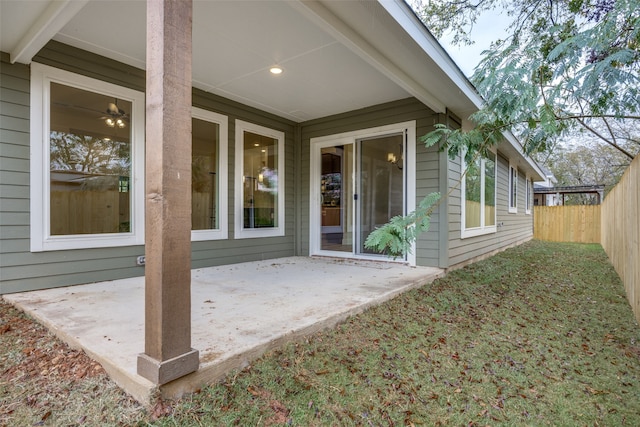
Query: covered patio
[[238, 312], [333, 60]]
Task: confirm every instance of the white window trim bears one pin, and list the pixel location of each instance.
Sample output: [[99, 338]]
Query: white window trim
[[41, 238], [513, 182], [222, 232], [318, 143], [240, 231], [528, 196], [465, 233]]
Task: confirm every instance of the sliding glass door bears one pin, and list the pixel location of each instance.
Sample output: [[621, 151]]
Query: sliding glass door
[[362, 186], [336, 192], [381, 184]]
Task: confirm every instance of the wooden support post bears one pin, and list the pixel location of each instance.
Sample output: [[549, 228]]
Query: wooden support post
[[168, 354]]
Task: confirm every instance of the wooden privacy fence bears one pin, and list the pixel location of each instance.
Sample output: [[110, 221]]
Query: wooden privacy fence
[[580, 224], [621, 232], [89, 212]]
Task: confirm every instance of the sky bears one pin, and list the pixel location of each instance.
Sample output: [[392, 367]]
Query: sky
[[489, 27]]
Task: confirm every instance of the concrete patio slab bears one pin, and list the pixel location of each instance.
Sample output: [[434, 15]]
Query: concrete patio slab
[[239, 311]]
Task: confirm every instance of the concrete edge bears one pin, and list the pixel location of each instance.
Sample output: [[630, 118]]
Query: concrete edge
[[214, 371], [145, 392], [136, 386]]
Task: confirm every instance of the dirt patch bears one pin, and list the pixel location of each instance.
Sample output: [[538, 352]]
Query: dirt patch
[[40, 361], [45, 382]]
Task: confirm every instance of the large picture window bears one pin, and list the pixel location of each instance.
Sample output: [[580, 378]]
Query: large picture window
[[87, 165], [479, 201], [208, 175], [259, 181]]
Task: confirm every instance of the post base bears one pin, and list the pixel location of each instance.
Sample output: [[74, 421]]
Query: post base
[[163, 372]]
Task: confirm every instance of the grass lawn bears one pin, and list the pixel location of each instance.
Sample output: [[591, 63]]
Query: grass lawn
[[541, 334]]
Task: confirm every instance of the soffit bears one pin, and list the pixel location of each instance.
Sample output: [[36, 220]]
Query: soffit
[[336, 56]]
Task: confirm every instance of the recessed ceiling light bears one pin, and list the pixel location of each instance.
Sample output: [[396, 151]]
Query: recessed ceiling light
[[275, 70]]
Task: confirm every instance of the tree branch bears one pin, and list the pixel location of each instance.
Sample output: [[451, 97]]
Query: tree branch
[[596, 133]]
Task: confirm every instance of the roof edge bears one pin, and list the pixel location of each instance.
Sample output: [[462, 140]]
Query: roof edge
[[418, 31]]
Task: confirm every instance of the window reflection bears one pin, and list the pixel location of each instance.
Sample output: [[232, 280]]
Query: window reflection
[[90, 163], [260, 181], [204, 175], [480, 193]]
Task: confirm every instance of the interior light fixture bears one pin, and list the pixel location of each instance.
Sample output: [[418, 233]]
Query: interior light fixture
[[394, 160], [275, 70], [115, 123], [115, 115]]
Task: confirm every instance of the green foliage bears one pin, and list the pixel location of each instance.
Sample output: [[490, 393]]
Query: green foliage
[[565, 65], [395, 237], [589, 163]]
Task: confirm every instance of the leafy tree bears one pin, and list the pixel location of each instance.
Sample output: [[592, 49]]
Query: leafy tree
[[587, 163], [82, 153], [102, 157], [564, 65]]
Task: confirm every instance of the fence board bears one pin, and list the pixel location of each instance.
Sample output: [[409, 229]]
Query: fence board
[[579, 224], [621, 232], [89, 212]]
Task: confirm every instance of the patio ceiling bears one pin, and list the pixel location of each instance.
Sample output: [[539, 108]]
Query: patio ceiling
[[337, 56]]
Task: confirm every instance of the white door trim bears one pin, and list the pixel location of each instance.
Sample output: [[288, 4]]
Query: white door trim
[[346, 138]]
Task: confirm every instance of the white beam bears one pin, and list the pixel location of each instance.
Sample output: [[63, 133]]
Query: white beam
[[54, 17]]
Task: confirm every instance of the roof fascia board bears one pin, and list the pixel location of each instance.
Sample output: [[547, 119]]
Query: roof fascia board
[[52, 20], [403, 14], [323, 17], [516, 144], [415, 28]]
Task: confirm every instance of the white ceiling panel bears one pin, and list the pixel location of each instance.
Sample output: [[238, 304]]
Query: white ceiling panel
[[16, 19], [115, 29], [336, 56], [269, 29]]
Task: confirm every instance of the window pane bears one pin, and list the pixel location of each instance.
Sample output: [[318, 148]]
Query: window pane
[[472, 195], [381, 184], [513, 186], [204, 175], [90, 162], [490, 191], [260, 181]]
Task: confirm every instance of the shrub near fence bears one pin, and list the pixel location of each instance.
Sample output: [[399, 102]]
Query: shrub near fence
[[579, 224], [621, 232]]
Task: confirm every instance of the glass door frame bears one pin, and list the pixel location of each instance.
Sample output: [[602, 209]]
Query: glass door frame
[[364, 178], [347, 138]]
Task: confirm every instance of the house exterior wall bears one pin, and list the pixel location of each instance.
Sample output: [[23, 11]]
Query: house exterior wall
[[23, 270], [441, 246], [512, 228], [427, 162]]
